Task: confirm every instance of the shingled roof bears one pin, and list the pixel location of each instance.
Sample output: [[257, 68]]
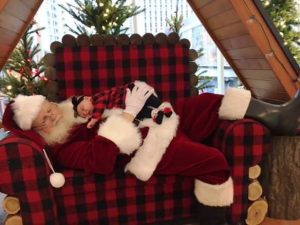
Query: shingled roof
[[241, 29]]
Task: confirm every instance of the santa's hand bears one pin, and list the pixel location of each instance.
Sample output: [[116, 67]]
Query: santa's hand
[[143, 84], [135, 99], [91, 123]]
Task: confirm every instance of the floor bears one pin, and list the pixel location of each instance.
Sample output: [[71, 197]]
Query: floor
[[269, 221]]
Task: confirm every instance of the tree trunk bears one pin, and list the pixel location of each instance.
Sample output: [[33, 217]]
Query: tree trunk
[[281, 178]]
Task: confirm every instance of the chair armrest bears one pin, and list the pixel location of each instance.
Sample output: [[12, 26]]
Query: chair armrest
[[25, 174], [244, 143]]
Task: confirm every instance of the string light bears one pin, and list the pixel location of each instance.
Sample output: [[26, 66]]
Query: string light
[[9, 87], [282, 23], [267, 3]]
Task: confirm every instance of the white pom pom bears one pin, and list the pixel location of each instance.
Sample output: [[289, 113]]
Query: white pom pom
[[57, 180]]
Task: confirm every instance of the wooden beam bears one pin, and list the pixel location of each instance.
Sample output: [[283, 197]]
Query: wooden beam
[[223, 19], [18, 9], [243, 41], [267, 75], [34, 5], [194, 5], [271, 95], [245, 53], [253, 64], [267, 43], [214, 7]]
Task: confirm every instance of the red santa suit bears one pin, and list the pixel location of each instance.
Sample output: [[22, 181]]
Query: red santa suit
[[164, 150]]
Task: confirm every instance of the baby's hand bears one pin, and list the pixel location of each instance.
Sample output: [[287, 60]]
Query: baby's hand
[[91, 123]]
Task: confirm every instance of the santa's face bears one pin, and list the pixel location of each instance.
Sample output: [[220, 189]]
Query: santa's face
[[55, 121], [48, 117]]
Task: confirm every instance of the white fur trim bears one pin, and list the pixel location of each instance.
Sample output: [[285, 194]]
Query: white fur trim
[[26, 109], [122, 132], [234, 104], [214, 195], [143, 164]]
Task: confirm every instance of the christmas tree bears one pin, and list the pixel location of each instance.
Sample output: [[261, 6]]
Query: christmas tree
[[100, 16], [286, 18], [22, 73], [175, 23]]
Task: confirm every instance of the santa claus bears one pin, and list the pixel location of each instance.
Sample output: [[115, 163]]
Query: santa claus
[[164, 149]]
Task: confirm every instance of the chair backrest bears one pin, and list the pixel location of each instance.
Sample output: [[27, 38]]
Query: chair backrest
[[88, 64]]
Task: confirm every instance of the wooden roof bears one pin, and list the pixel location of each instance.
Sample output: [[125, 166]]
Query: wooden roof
[[15, 16], [251, 44], [240, 28]]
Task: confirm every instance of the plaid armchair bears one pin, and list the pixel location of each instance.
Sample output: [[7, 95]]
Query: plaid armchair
[[82, 66]]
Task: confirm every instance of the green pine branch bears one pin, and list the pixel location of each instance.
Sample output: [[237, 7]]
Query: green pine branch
[[23, 72], [286, 18], [100, 16], [175, 23]]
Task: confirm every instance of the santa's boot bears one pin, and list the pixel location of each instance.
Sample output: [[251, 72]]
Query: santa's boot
[[212, 215], [213, 201], [281, 119]]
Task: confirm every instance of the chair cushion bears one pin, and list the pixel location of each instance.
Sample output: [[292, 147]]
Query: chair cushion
[[122, 199]]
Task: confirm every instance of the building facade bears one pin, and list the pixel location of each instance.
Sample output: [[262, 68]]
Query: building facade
[[212, 64], [153, 19], [53, 18]]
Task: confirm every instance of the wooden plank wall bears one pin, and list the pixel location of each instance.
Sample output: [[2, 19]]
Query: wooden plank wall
[[232, 37], [15, 16]]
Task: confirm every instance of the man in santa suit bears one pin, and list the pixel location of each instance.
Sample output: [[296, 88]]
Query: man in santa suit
[[170, 148]]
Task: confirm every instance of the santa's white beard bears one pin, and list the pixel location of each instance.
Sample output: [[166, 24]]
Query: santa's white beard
[[61, 131]]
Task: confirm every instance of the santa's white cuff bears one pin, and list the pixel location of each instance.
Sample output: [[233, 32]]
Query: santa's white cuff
[[121, 132], [214, 194], [234, 104], [159, 136]]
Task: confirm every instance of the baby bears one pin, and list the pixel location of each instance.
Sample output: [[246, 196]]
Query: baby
[[94, 106]]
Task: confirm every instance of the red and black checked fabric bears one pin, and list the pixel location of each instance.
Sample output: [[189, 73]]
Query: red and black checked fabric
[[116, 199], [25, 174], [244, 143], [85, 70], [108, 99], [120, 199]]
